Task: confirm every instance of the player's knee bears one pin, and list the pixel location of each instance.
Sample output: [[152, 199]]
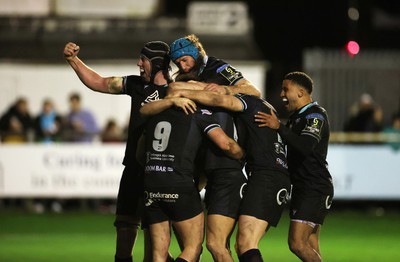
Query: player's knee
[[296, 246], [194, 251], [242, 245], [215, 245]]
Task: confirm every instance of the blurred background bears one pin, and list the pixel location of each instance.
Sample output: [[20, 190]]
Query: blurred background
[[58, 173], [351, 48]]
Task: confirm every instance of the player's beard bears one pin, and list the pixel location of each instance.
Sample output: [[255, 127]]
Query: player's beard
[[184, 77], [193, 74]]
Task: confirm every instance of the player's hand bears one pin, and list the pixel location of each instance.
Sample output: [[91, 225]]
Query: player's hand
[[267, 120], [71, 50], [185, 104]]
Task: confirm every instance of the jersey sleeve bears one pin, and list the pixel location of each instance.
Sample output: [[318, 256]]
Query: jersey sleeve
[[310, 134], [206, 120], [132, 85], [314, 125], [230, 73], [242, 99]]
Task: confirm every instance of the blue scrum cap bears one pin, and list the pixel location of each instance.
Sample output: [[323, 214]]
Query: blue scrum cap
[[182, 47]]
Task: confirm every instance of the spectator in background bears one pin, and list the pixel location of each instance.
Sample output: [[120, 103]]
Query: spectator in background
[[112, 133], [81, 125], [393, 131], [48, 124], [16, 124], [365, 116]]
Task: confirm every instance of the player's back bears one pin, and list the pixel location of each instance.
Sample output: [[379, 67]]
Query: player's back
[[172, 142], [264, 147]]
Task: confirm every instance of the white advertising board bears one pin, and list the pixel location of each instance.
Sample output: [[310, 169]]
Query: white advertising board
[[365, 171], [61, 170], [94, 171], [218, 18]]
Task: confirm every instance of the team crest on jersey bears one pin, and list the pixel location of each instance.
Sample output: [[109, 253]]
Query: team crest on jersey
[[152, 97], [229, 73], [314, 126]]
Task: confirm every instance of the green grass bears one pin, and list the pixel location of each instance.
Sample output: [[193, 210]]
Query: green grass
[[73, 236]]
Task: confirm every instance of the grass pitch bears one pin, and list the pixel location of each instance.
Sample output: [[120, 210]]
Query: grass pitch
[[75, 236]]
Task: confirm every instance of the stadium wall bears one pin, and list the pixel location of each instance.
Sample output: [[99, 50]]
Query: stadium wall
[[360, 172]]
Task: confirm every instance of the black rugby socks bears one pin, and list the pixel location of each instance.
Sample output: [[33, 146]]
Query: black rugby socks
[[128, 259], [252, 255]]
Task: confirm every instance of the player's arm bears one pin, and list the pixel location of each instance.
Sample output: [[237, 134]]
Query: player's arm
[[155, 107], [304, 143], [243, 86], [230, 147], [88, 76], [192, 85], [210, 98]]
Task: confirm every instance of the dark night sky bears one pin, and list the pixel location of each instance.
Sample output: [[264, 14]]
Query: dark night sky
[[284, 28]]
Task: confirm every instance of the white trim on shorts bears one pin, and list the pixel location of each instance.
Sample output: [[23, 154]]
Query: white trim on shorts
[[311, 224]]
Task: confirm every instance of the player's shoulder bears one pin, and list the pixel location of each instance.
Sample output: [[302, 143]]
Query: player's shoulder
[[316, 111]]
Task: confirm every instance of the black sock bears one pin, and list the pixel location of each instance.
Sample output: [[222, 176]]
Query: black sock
[[128, 259], [251, 255], [170, 259], [180, 260]]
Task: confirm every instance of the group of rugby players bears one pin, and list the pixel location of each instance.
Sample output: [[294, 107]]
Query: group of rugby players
[[212, 122]]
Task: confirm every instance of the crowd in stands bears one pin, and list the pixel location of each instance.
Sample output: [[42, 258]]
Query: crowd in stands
[[18, 125]]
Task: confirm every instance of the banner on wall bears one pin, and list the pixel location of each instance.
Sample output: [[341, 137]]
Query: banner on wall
[[94, 171], [61, 170]]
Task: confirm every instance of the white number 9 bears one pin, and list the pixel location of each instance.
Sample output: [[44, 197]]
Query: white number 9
[[161, 136]]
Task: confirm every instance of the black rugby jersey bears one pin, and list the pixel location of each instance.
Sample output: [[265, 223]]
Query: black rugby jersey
[[172, 143], [219, 72], [263, 146], [140, 93], [307, 137]]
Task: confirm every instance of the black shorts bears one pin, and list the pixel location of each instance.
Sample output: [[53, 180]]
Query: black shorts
[[310, 207], [130, 194], [224, 192], [266, 194], [171, 204]]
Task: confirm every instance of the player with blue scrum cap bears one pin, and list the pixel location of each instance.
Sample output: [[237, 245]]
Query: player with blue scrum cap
[[225, 179]]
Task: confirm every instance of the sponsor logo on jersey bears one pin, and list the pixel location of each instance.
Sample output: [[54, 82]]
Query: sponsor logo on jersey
[[156, 168], [206, 112], [151, 197], [281, 162], [160, 157]]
